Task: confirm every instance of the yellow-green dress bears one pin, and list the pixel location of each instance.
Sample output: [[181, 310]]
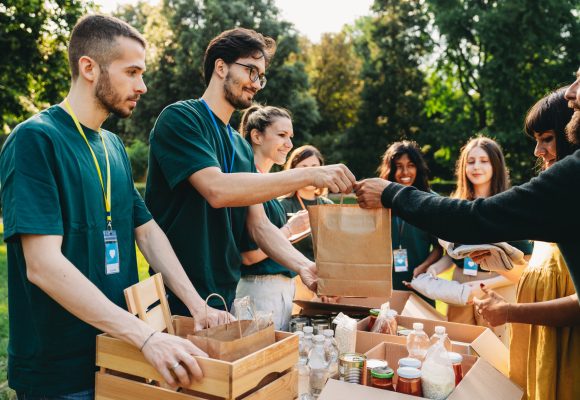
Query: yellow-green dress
[[545, 360]]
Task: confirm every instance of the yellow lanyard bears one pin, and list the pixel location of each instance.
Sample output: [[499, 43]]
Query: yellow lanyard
[[106, 194]]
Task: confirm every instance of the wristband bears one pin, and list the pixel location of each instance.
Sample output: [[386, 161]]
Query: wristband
[[146, 340]]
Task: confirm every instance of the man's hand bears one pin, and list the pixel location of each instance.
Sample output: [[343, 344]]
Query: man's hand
[[369, 191], [172, 357], [214, 317], [337, 178], [309, 277], [479, 255], [493, 308]]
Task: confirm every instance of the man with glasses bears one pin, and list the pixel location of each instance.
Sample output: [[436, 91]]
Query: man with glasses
[[202, 186]]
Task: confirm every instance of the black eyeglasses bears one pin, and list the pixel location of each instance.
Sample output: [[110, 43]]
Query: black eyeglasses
[[255, 74]]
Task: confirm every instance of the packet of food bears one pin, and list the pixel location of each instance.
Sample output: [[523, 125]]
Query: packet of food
[[345, 333]]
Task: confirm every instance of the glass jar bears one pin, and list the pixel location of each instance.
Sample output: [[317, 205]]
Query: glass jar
[[456, 360], [373, 314], [410, 362], [409, 381], [382, 378], [374, 363]]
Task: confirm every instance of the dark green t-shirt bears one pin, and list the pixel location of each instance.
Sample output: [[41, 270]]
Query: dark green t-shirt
[[206, 240], [525, 246], [292, 205], [418, 244], [277, 216], [50, 186]]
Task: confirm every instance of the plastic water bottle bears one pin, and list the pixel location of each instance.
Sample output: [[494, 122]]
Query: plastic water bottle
[[331, 352], [303, 369], [418, 342], [441, 335], [308, 343], [318, 367]]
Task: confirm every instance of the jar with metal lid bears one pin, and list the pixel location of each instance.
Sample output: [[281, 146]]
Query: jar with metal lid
[[374, 363], [409, 381], [373, 314], [382, 378], [410, 362], [456, 360]]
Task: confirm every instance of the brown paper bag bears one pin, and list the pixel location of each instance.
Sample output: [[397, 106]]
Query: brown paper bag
[[226, 343], [352, 249]]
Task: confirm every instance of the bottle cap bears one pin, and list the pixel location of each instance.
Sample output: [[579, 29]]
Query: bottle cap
[[455, 358], [439, 330], [409, 362], [308, 329], [417, 326], [409, 373], [382, 372], [328, 332]]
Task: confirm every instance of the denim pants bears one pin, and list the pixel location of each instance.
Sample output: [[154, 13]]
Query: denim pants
[[88, 394]]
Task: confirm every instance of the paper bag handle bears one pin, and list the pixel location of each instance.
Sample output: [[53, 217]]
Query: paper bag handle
[[227, 311]]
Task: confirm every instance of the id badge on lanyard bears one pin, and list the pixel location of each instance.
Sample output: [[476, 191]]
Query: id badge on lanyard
[[111, 252], [469, 267], [401, 260]]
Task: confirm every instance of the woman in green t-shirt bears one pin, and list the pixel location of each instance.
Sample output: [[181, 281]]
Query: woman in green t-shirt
[[269, 284], [296, 202], [414, 250]]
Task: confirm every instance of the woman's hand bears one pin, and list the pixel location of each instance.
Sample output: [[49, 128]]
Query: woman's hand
[[298, 223], [479, 255], [494, 309]]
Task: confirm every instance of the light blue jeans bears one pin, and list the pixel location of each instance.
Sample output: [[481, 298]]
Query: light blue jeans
[[84, 395]]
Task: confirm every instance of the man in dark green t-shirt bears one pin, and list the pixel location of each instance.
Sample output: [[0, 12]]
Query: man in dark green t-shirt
[[71, 219], [202, 175]]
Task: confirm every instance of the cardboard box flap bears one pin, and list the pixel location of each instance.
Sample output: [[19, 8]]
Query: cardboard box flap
[[488, 346], [339, 390], [419, 308], [484, 382]]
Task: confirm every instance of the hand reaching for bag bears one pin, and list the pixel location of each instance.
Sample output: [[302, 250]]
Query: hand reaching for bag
[[309, 276], [214, 318], [298, 223]]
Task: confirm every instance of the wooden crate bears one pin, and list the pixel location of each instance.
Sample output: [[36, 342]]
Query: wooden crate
[[265, 374]]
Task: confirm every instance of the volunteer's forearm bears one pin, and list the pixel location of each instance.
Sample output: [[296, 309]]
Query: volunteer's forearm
[[559, 312], [433, 257], [497, 282], [274, 244], [244, 189], [54, 274], [160, 255], [443, 264]]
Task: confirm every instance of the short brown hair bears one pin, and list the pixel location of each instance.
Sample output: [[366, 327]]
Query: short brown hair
[[234, 44], [94, 35]]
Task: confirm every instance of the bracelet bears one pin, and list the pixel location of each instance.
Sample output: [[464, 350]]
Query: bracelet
[[146, 340]]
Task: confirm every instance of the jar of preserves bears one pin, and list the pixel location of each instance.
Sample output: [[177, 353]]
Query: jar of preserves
[[374, 363], [382, 378], [409, 381], [456, 360]]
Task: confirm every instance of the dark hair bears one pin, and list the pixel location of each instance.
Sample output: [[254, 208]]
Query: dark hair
[[395, 151], [94, 36], [500, 180], [300, 154], [259, 117], [551, 113], [234, 44]]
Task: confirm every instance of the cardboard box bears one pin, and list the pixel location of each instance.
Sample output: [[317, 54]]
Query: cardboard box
[[404, 302], [466, 339], [480, 381]]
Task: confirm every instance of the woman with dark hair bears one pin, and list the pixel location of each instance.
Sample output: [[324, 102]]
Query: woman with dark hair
[[542, 358], [480, 172], [270, 285], [414, 250]]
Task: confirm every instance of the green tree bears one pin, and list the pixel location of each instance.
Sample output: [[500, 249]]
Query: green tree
[[392, 44], [34, 70], [502, 56], [334, 71], [180, 33]]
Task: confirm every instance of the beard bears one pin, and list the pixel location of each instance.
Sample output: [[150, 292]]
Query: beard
[[238, 102], [110, 99], [573, 128]]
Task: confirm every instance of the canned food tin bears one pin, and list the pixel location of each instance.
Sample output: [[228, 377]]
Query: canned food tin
[[352, 368]]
